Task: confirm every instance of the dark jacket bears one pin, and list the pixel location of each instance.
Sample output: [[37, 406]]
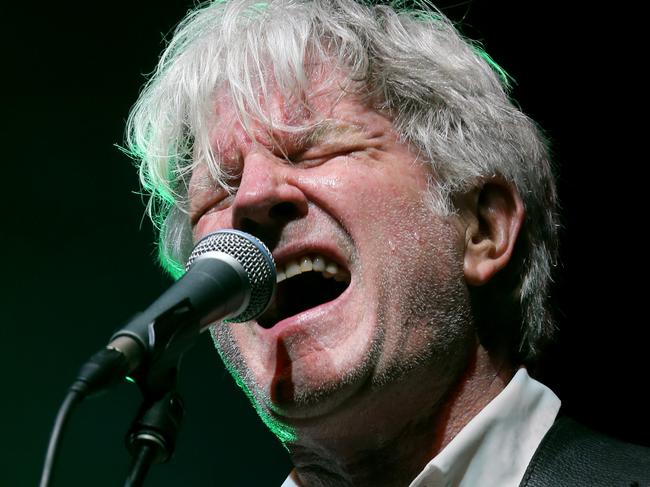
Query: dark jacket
[[572, 455]]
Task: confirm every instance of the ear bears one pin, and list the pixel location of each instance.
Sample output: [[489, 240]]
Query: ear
[[493, 216]]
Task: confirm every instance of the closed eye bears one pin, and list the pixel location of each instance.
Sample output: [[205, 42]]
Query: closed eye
[[313, 158]]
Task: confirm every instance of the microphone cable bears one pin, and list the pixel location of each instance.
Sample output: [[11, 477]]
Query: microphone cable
[[71, 400]]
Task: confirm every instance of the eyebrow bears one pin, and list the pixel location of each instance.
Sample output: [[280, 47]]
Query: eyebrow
[[330, 131]]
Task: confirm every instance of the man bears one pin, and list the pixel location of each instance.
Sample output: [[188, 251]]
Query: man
[[411, 211]]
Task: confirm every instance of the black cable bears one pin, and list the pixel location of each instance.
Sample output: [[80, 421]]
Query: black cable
[[141, 464], [73, 397], [102, 370]]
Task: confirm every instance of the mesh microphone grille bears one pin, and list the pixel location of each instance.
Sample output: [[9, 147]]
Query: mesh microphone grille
[[253, 256]]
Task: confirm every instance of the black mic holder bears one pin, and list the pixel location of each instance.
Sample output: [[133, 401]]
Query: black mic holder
[[152, 436], [151, 439]]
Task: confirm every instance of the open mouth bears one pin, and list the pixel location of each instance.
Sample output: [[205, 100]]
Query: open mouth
[[303, 284]]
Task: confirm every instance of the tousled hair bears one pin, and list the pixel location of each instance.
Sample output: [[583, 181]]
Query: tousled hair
[[444, 94]]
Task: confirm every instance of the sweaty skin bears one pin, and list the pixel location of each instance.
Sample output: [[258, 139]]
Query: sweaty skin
[[368, 381]]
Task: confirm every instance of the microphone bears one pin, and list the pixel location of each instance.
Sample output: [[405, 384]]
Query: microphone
[[230, 276]]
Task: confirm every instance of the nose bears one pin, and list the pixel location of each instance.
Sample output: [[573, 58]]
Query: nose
[[267, 198]]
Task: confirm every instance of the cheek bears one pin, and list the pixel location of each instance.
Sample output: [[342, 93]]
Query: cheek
[[362, 191], [424, 302]]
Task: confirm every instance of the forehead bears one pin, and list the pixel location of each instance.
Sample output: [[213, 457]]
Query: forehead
[[327, 109]]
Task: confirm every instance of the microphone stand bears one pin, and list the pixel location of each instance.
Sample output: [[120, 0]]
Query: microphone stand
[[151, 438], [152, 435]]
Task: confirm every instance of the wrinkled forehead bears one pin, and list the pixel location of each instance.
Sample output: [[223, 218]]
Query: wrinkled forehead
[[274, 116], [279, 118]]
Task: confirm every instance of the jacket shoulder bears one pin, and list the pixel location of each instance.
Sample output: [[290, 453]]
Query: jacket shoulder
[[573, 455]]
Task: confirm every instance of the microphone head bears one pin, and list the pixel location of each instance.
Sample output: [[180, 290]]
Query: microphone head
[[253, 256]]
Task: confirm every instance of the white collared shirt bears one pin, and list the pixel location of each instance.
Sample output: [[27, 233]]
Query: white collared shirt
[[496, 446]]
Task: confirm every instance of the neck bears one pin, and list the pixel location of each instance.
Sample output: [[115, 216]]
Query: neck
[[387, 442]]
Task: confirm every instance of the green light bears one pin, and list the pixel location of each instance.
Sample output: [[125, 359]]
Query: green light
[[130, 379], [505, 78]]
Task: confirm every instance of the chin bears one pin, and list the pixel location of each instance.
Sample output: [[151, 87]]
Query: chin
[[289, 383], [314, 390]]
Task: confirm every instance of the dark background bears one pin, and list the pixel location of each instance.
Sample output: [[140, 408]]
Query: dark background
[[79, 258]]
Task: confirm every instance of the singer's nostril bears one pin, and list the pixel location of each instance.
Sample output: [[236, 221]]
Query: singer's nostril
[[284, 211]]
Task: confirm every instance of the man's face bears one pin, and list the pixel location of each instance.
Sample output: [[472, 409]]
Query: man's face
[[349, 198]]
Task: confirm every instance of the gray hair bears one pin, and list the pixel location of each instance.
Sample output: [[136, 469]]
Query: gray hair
[[444, 94]]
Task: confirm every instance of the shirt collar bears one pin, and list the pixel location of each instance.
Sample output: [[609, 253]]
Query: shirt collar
[[496, 446]]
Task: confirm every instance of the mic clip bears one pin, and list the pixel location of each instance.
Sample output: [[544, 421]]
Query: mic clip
[[154, 349]]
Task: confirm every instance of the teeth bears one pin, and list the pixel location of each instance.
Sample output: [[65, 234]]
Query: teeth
[[305, 264], [281, 275], [317, 263], [331, 269], [293, 269]]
